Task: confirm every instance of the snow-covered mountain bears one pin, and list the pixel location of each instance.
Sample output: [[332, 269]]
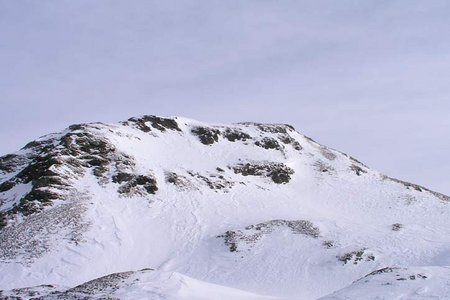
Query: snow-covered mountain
[[172, 208]]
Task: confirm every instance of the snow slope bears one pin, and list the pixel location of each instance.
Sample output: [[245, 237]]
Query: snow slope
[[399, 283], [143, 284], [242, 211]]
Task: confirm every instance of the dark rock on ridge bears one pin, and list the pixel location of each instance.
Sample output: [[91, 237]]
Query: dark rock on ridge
[[235, 135], [207, 136], [268, 143], [161, 124]]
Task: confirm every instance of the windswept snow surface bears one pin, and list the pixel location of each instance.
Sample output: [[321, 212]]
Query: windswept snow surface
[[144, 284], [397, 283], [242, 211]]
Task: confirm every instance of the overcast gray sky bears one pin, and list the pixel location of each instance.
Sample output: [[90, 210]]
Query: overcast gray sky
[[370, 78]]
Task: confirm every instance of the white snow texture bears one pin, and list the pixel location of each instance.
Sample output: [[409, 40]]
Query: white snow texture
[[179, 209]]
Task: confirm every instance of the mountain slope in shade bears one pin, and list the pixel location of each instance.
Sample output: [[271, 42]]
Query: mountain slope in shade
[[257, 209]]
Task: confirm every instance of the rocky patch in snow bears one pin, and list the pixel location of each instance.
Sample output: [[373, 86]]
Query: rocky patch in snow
[[133, 184], [207, 136], [234, 134], [356, 256], [213, 181], [278, 172], [146, 123], [30, 292], [182, 183], [327, 153], [11, 162], [54, 163], [288, 140], [251, 234], [39, 233], [269, 143], [357, 169], [396, 227], [323, 167], [270, 128], [101, 287]]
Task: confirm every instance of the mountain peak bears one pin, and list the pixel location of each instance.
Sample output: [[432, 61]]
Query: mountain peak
[[254, 207]]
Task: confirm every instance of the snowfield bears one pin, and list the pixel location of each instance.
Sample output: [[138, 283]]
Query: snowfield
[[172, 208]]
